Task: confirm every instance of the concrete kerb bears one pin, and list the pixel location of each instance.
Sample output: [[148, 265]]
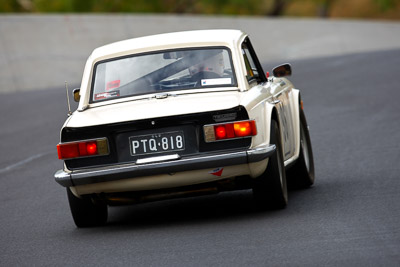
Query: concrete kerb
[[43, 51]]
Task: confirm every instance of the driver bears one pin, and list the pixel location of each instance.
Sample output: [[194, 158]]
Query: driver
[[210, 68]]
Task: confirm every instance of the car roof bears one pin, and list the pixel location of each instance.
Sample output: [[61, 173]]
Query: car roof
[[173, 40]]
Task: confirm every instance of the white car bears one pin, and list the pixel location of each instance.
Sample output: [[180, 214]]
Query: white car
[[181, 114]]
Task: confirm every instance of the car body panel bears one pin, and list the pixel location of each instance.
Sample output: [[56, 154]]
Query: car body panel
[[136, 108]]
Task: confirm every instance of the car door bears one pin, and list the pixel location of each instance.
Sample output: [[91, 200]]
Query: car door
[[281, 92]]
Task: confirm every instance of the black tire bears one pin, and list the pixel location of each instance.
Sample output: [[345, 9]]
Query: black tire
[[85, 212], [301, 174], [270, 190]]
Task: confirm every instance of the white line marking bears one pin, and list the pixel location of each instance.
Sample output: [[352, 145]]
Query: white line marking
[[10, 167]]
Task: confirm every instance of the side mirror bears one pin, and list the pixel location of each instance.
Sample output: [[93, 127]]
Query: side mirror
[[282, 70], [76, 93]]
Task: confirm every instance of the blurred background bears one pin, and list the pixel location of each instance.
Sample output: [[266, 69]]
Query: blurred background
[[49, 41], [361, 9]]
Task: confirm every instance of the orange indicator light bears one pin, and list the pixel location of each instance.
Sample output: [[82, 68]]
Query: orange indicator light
[[242, 128]]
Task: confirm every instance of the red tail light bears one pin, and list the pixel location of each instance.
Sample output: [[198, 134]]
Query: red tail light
[[229, 130], [220, 132], [91, 148], [87, 148]]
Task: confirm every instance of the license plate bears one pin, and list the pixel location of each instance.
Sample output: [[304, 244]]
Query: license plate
[[156, 143]]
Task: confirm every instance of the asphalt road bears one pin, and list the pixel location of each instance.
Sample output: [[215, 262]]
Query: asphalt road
[[350, 217]]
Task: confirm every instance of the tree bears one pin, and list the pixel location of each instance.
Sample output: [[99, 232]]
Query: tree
[[277, 8]]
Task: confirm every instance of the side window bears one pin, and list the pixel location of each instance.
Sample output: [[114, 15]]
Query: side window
[[253, 68], [252, 73]]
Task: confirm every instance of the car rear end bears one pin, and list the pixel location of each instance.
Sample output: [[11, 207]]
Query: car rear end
[[158, 153]]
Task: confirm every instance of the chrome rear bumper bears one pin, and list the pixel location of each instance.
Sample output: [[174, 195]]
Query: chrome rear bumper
[[131, 170]]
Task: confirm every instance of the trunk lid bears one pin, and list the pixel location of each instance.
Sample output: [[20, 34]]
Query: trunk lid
[[152, 107]]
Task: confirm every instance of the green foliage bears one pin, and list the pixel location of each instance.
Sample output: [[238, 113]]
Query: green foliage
[[248, 7], [230, 7], [11, 6], [385, 5]]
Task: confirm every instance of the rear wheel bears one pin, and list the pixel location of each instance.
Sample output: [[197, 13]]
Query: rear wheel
[[301, 175], [270, 190], [85, 212]]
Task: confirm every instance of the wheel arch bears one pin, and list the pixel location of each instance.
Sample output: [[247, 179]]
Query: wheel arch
[[272, 114]]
